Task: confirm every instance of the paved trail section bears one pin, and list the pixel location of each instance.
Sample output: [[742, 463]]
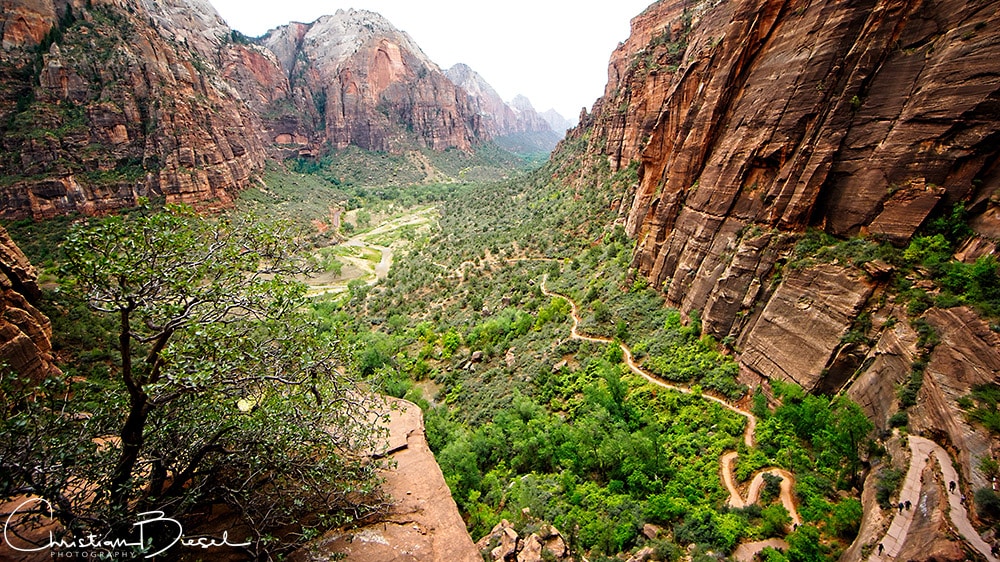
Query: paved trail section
[[922, 450]]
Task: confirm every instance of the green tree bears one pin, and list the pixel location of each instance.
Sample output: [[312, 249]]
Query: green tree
[[851, 430], [804, 545], [225, 391], [846, 518]]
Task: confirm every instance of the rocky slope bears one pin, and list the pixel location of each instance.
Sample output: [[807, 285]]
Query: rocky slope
[[106, 101], [423, 522], [755, 120], [556, 121], [25, 333], [371, 86]]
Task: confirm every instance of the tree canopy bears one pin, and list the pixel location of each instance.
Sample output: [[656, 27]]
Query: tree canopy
[[223, 392]]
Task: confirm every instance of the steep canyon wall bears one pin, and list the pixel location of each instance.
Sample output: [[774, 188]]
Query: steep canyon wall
[[754, 121]]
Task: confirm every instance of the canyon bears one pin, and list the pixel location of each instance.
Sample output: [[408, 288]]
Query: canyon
[[751, 124], [109, 101]]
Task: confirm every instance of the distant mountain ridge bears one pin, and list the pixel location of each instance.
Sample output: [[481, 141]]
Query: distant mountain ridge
[[557, 121], [106, 101], [510, 123]]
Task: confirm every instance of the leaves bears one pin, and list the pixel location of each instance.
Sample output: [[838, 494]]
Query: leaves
[[227, 391]]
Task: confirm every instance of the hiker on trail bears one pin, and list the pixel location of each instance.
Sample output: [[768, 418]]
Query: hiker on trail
[[951, 486], [908, 505], [901, 507], [962, 502], [880, 549]]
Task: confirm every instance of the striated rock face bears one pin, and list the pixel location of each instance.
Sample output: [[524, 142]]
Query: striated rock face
[[25, 346], [967, 356], [857, 117], [371, 86], [126, 101], [24, 22], [754, 120], [889, 363], [804, 320]]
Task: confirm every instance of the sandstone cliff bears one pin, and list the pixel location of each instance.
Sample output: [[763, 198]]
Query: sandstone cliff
[[25, 346], [371, 86], [754, 121], [781, 116], [110, 100]]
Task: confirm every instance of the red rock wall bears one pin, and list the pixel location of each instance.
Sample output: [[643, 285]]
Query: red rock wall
[[25, 346], [368, 85], [754, 120], [781, 115], [117, 108]]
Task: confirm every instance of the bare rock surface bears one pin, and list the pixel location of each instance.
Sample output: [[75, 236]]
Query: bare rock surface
[[25, 345], [890, 362], [423, 523], [749, 115], [372, 86], [968, 355], [803, 323], [127, 103]]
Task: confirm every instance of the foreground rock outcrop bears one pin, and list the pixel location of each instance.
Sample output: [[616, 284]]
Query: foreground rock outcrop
[[422, 523], [25, 344]]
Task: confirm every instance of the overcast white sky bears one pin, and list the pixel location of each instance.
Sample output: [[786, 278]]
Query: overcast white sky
[[555, 52]]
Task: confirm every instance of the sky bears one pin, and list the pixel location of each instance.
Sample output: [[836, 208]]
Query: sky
[[555, 52]]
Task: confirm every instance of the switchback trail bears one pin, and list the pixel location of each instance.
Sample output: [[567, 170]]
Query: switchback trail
[[922, 450], [726, 462]]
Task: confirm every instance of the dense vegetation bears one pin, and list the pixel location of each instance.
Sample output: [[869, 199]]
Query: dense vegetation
[[530, 425], [198, 363], [533, 426]]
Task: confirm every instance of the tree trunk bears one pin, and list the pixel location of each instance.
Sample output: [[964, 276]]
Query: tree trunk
[[132, 432]]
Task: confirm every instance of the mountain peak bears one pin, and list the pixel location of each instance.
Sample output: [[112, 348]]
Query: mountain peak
[[522, 103], [334, 38]]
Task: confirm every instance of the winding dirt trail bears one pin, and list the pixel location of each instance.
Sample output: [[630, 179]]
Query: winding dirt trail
[[728, 460], [922, 450], [373, 271]]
